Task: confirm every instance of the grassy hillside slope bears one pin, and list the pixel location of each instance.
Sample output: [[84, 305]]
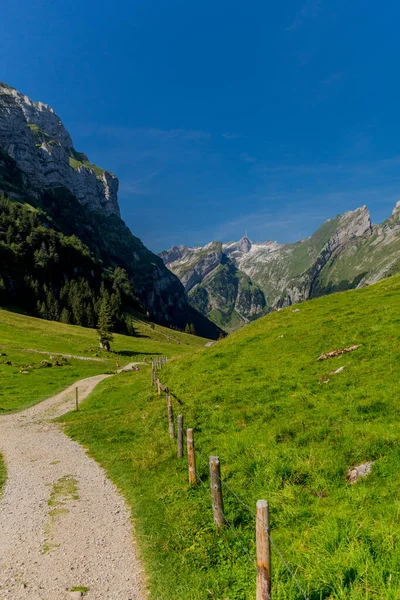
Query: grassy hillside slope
[[22, 339], [285, 429]]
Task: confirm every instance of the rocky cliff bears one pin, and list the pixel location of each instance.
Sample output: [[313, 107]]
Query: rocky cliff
[[78, 202], [34, 136], [346, 252]]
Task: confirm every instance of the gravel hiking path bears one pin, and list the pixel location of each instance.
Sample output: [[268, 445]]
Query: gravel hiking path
[[63, 524]]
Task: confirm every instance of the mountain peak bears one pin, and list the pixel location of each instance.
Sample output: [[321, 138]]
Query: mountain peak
[[244, 244], [396, 209]]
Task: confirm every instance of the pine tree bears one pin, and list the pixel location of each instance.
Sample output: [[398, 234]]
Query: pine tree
[[65, 316], [130, 330], [52, 307], [105, 325], [190, 328]]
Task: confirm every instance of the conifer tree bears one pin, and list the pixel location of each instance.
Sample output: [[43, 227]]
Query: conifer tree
[[190, 328], [105, 325], [65, 316]]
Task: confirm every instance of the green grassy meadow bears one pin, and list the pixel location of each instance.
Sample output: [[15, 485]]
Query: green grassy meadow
[[21, 337], [286, 429]]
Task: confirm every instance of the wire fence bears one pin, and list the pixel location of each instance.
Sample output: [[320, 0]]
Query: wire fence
[[254, 514], [155, 380]]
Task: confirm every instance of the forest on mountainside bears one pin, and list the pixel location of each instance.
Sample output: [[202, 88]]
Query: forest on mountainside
[[55, 276]]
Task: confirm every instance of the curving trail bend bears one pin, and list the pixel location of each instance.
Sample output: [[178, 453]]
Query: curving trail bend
[[84, 537]]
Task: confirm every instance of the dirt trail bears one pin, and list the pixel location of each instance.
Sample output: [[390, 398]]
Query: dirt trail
[[62, 522]]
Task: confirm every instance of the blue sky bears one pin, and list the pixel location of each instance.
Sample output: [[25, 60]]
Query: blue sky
[[220, 117]]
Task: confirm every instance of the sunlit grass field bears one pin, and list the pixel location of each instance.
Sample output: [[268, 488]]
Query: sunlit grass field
[[286, 429], [28, 380]]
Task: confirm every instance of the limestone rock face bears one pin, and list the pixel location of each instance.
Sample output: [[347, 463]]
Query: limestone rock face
[[173, 254], [396, 209], [34, 136]]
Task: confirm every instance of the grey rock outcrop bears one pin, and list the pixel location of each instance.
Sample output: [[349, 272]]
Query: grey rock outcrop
[[34, 136]]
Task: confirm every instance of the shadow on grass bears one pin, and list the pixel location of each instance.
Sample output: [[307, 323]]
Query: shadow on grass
[[131, 354]]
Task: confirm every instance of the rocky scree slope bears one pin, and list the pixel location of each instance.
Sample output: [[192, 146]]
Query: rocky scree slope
[[39, 167], [237, 282]]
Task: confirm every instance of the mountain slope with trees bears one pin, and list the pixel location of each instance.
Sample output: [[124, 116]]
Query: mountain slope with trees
[[63, 256]]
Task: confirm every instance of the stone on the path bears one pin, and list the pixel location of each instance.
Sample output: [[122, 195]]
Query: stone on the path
[[75, 595]]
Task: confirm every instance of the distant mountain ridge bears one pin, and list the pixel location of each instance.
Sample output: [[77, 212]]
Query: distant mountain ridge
[[60, 227], [236, 282]]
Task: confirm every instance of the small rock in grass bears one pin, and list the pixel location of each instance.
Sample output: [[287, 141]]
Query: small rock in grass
[[354, 473], [339, 370], [338, 352]]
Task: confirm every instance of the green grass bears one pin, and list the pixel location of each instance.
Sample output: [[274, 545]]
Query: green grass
[[260, 401], [79, 159], [75, 164], [65, 488], [80, 588], [20, 335]]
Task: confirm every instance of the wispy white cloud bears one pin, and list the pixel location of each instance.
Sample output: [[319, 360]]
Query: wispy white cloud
[[292, 216], [369, 169], [248, 158], [309, 10], [333, 79], [230, 136], [177, 134], [138, 187], [122, 132]]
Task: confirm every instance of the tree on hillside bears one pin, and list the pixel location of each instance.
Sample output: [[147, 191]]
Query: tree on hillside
[[105, 325], [190, 328], [65, 316]]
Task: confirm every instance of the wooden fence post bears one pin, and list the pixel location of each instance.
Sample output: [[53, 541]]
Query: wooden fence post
[[158, 387], [180, 436], [191, 456], [216, 491], [171, 419], [76, 399], [263, 552]]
